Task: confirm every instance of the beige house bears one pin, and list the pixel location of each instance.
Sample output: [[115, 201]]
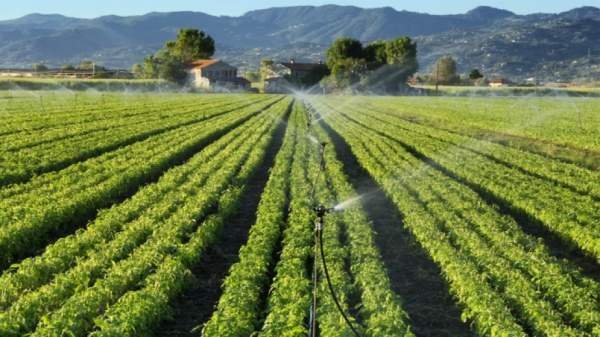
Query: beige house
[[499, 83], [216, 74]]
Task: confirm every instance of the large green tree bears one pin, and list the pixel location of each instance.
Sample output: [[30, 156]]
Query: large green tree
[[346, 63], [347, 72], [375, 54], [137, 70], [475, 74], [342, 49], [381, 65], [266, 67], [402, 51], [396, 61], [86, 65], [191, 44], [252, 76], [150, 67], [172, 69], [170, 62], [445, 71], [39, 67]]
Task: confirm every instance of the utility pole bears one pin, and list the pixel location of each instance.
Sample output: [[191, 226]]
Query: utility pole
[[590, 68], [437, 77]]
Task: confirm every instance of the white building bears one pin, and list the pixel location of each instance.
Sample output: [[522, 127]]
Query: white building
[[215, 74], [499, 83]]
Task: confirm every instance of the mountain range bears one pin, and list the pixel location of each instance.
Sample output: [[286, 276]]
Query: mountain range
[[550, 47]]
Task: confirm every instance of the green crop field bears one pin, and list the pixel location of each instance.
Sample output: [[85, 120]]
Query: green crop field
[[174, 214]]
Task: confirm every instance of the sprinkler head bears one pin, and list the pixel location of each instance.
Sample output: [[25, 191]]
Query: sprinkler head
[[322, 210]]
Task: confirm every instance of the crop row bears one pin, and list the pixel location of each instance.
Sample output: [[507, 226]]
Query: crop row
[[56, 201], [382, 311], [567, 213], [242, 305], [328, 318], [289, 297], [21, 164], [564, 122], [152, 201], [63, 110], [501, 291], [34, 104], [222, 116], [288, 302], [580, 179], [238, 311], [134, 115], [149, 304], [50, 112], [175, 230]]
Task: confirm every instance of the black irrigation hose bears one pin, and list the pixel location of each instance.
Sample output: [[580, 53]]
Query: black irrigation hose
[[313, 308], [315, 280], [331, 290]]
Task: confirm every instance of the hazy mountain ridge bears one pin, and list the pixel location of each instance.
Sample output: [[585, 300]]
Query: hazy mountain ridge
[[482, 37], [561, 47]]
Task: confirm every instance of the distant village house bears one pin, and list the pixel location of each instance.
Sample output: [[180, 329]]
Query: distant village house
[[299, 71], [215, 74], [284, 75], [499, 83]]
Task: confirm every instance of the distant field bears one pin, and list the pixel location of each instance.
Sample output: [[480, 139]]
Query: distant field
[[166, 214], [83, 84], [563, 127], [573, 91]]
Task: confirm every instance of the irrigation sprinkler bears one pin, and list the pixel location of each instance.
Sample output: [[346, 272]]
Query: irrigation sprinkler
[[310, 115], [321, 212], [323, 145], [42, 103]]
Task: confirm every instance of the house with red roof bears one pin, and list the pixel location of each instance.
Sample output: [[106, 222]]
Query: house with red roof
[[214, 74]]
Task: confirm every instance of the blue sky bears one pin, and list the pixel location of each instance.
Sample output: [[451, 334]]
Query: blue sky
[[87, 9]]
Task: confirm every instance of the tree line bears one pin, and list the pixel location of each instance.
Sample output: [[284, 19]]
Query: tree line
[[170, 62], [380, 66], [383, 65], [445, 72]]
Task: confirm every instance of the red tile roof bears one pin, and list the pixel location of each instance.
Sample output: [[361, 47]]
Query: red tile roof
[[199, 64]]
